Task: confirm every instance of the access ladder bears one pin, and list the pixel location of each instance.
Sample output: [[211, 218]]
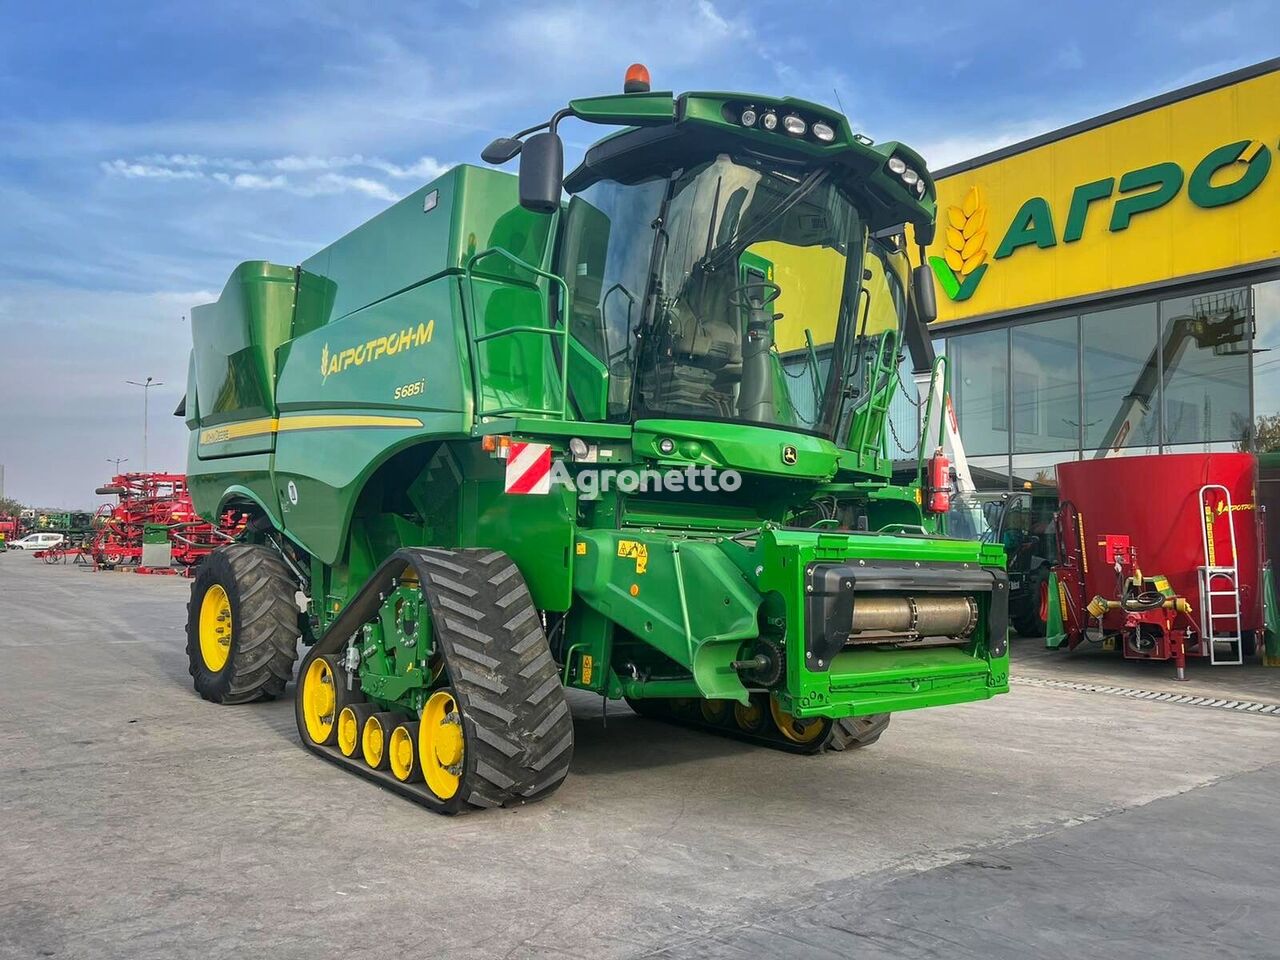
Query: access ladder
[[1219, 580]]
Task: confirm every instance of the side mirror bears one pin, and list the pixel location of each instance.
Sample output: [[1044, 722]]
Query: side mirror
[[923, 293], [501, 150], [542, 172]]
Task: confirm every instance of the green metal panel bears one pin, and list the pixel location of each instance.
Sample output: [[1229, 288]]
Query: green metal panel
[[684, 597], [421, 237], [235, 340], [212, 483], [739, 446]]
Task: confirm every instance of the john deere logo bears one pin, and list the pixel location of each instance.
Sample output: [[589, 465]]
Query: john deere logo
[[789, 455], [1223, 176], [960, 268]]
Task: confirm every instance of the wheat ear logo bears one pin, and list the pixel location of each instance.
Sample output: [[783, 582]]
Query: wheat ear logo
[[960, 268]]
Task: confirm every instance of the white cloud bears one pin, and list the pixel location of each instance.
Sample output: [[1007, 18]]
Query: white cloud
[[251, 181], [340, 183], [147, 171], [424, 168], [303, 175], [296, 164]]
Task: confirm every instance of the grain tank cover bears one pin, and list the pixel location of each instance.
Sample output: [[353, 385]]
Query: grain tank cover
[[235, 341], [431, 232]]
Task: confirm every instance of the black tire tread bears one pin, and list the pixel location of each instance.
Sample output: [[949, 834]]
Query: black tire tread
[[850, 733], [517, 724], [265, 624]]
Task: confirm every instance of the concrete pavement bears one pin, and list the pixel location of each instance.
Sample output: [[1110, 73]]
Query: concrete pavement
[[140, 821]]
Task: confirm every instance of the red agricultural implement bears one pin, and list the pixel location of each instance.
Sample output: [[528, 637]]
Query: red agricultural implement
[[10, 528], [153, 526], [1160, 556]]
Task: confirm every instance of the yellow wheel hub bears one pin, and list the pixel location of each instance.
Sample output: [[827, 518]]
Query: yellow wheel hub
[[716, 712], [319, 700], [348, 732], [794, 729], [373, 742], [215, 628], [749, 718], [441, 744], [403, 751]]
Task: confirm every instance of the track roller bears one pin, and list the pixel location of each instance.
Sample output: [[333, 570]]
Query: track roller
[[763, 721], [323, 697], [442, 744], [402, 752], [351, 720], [375, 738], [802, 732], [750, 717]]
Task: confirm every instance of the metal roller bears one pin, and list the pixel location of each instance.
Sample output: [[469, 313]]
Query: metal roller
[[926, 616]]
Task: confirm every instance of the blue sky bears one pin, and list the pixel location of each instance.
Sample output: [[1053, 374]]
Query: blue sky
[[145, 149]]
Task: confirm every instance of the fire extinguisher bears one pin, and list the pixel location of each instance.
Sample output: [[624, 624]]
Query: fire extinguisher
[[938, 483]]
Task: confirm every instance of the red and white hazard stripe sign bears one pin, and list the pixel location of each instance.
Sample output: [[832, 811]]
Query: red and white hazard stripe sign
[[529, 468]]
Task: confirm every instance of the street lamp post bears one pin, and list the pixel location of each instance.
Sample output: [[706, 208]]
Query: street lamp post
[[117, 461], [146, 386]]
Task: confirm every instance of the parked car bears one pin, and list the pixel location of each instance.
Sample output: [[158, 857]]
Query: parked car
[[37, 541]]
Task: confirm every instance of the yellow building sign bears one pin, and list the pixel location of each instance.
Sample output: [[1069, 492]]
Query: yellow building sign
[[1180, 190]]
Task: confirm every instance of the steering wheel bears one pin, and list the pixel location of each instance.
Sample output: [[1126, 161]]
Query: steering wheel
[[744, 294]]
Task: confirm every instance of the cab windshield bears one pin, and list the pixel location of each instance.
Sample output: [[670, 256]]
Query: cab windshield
[[730, 291]]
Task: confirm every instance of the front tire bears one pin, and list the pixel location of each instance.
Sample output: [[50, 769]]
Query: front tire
[[853, 732], [1030, 611], [242, 625]]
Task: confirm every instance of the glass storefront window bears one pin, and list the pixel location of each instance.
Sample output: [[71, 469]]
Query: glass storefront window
[[1205, 342], [979, 385], [1039, 471], [989, 473], [1121, 378], [1266, 405], [1046, 386], [1266, 367]]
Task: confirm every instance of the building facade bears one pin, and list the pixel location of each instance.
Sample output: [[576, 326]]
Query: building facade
[[1113, 288]]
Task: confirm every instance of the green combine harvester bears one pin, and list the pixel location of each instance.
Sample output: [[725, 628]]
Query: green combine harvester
[[495, 443]]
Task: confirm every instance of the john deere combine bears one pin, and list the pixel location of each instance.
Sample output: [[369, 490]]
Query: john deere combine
[[497, 443]]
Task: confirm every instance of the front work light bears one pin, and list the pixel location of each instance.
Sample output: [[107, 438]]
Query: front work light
[[794, 125]]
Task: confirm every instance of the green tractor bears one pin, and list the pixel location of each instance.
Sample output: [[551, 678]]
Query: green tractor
[[495, 444]]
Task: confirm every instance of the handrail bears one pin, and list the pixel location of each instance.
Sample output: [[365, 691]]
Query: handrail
[[942, 364], [878, 398], [474, 339]]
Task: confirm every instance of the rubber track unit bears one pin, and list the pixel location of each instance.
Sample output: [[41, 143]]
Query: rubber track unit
[[516, 723], [843, 734], [265, 624]]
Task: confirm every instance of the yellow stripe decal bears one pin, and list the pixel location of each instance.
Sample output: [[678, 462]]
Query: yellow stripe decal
[[266, 425]]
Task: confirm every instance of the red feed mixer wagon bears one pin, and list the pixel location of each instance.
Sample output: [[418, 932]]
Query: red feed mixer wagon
[[149, 501], [1161, 556]]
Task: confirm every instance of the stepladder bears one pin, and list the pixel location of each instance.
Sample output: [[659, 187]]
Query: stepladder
[[1219, 578]]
